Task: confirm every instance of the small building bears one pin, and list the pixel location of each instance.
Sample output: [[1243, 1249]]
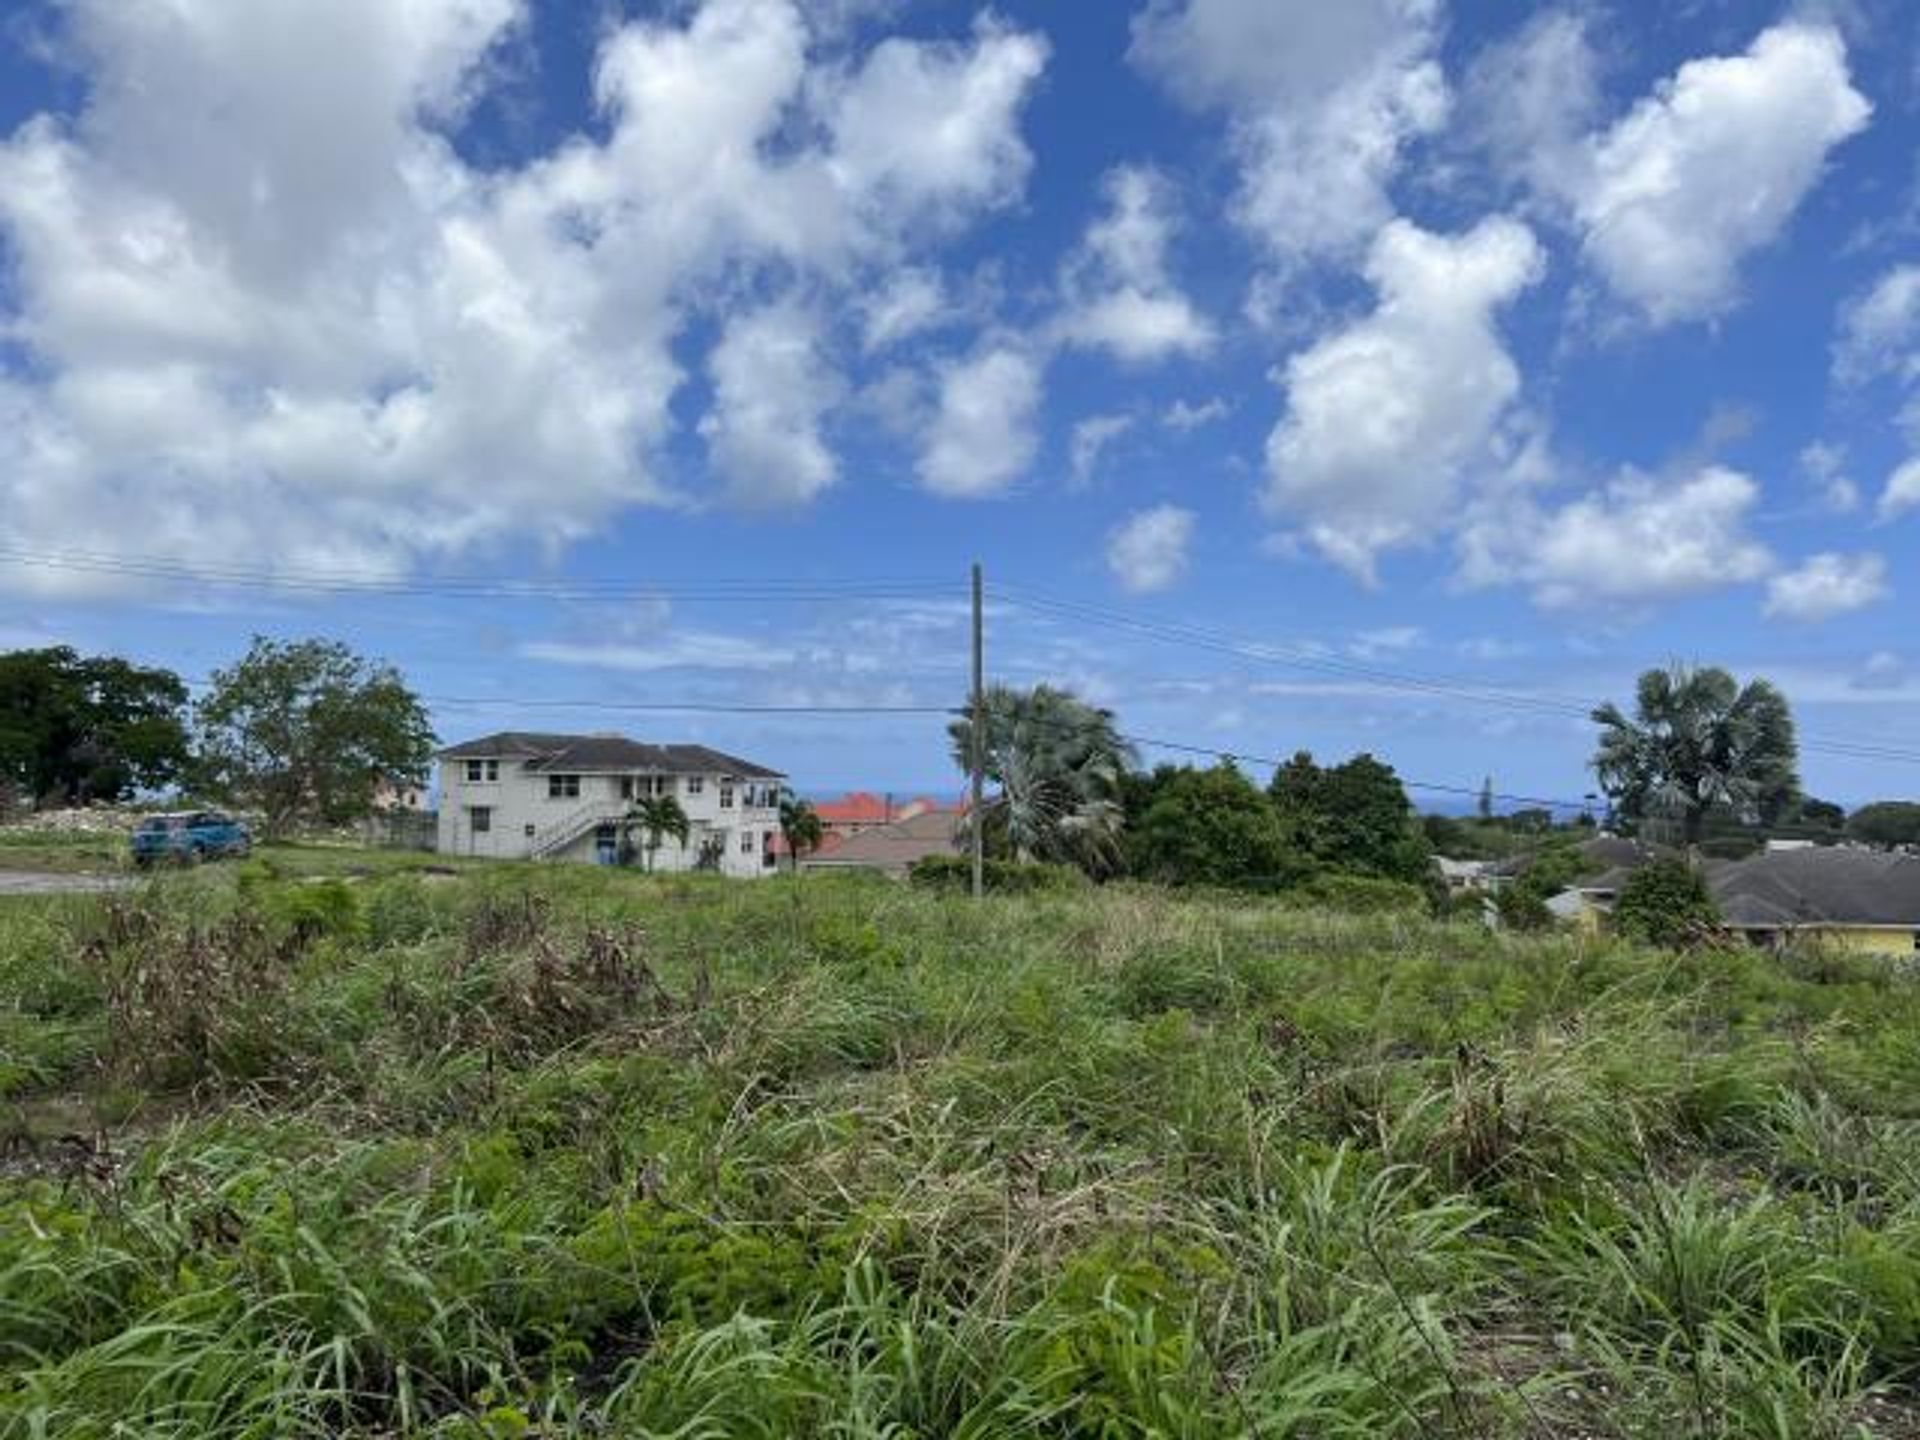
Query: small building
[[892, 849], [1466, 877], [523, 796]]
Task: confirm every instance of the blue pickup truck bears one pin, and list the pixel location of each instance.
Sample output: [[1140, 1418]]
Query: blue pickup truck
[[189, 838]]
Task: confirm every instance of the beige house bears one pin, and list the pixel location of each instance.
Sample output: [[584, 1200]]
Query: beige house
[[892, 849], [521, 796]]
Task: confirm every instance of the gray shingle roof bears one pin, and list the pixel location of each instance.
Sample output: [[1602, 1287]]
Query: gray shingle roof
[[566, 753], [1828, 886]]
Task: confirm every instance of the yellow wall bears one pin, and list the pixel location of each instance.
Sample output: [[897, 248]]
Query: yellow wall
[[1862, 941]]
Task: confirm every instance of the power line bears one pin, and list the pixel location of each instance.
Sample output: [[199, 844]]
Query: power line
[[1194, 637], [366, 582]]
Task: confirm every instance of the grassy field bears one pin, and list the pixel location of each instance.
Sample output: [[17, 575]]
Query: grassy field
[[524, 1152]]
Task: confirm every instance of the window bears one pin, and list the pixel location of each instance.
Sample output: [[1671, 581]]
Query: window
[[480, 819], [726, 794], [746, 842], [482, 770], [695, 784], [563, 787]]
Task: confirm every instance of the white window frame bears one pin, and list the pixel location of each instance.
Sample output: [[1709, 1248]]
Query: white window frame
[[563, 787], [746, 842], [483, 772], [695, 784], [480, 819], [726, 794]]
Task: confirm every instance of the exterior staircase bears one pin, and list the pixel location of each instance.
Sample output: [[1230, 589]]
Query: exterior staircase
[[570, 827]]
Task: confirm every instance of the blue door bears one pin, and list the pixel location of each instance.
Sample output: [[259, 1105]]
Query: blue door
[[606, 845]]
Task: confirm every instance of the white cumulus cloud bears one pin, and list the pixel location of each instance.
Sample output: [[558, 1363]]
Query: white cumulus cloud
[[1637, 541], [1386, 418], [1711, 166], [1880, 330], [1902, 493], [1120, 295], [267, 309], [1325, 100], [1828, 584], [1091, 437], [771, 386], [982, 437], [1149, 551]]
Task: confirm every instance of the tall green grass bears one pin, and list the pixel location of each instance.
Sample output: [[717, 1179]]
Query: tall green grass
[[553, 1152]]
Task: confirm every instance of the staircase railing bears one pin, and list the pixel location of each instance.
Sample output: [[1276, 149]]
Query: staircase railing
[[570, 827]]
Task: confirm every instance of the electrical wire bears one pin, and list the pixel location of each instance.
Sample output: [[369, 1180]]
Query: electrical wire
[[1390, 680], [488, 587]]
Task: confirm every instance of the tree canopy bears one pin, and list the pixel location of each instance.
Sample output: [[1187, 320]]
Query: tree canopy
[[1886, 822], [306, 731], [1213, 827], [1354, 817], [82, 728], [1698, 741], [1057, 766]]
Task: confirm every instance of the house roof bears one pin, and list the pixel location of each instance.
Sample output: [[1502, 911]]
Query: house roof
[[1826, 886], [896, 846], [862, 807], [565, 753]]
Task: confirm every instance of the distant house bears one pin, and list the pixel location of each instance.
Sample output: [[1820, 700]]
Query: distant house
[[892, 849], [862, 810], [394, 793], [1465, 877], [1864, 900], [521, 796]]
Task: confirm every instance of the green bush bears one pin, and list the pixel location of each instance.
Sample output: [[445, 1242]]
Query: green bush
[[1000, 877], [1361, 894], [1665, 903]]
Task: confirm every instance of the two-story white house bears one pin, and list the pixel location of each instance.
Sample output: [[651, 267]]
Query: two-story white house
[[518, 796]]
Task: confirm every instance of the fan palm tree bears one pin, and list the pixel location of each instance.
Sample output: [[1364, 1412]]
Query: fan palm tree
[[1699, 741], [799, 826], [658, 816], [1057, 764]]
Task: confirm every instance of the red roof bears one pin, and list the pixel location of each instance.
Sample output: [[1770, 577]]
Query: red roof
[[860, 808]]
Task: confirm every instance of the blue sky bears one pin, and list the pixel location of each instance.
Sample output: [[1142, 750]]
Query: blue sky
[[1398, 351]]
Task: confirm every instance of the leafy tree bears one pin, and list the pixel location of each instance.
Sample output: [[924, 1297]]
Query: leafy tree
[[1822, 815], [1213, 827], [1699, 740], [307, 730], [1886, 822], [656, 817], [1665, 903], [1447, 836], [1057, 765], [800, 827], [1352, 817], [82, 728]]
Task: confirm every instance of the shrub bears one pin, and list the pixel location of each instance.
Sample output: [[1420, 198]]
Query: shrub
[[1001, 877], [1366, 894], [1665, 903]]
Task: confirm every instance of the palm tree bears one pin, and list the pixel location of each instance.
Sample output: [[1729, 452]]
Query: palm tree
[[799, 826], [1058, 764], [1699, 741], [658, 816]]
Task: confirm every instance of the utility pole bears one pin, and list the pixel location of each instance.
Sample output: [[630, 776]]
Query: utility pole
[[979, 729]]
